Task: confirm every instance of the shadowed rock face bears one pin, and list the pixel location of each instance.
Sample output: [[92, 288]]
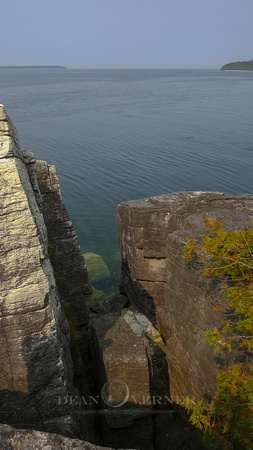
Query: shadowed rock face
[[65, 254], [72, 282], [130, 378], [35, 362], [134, 403], [167, 288], [124, 380]]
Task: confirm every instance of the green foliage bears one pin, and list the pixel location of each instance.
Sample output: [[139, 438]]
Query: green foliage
[[229, 256]]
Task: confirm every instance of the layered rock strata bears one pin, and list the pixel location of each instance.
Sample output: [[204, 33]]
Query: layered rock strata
[[36, 367], [45, 337], [71, 279], [128, 349], [168, 289], [134, 403]]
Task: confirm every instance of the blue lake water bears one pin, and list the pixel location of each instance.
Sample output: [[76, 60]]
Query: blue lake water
[[117, 135]]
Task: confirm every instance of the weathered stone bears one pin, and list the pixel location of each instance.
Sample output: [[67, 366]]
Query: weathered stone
[[71, 279], [116, 303], [44, 279], [123, 355], [30, 161], [10, 438], [35, 362], [9, 142], [64, 250], [167, 288], [3, 114], [130, 357]]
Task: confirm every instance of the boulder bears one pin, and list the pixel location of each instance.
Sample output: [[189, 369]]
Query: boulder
[[168, 289], [97, 268], [131, 360]]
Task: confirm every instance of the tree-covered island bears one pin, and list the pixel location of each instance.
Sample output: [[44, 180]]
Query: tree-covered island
[[239, 65]]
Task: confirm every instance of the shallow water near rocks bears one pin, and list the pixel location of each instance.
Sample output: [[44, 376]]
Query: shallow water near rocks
[[117, 135]]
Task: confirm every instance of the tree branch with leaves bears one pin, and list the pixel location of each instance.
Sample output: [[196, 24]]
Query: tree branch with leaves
[[228, 255]]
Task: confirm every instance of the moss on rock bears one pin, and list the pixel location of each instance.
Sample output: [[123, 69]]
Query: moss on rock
[[99, 296], [97, 269]]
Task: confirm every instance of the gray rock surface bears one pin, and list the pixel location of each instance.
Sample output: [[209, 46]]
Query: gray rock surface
[[64, 251], [11, 439], [9, 142], [45, 338], [130, 354], [123, 373], [168, 289], [71, 279], [35, 361], [135, 407]]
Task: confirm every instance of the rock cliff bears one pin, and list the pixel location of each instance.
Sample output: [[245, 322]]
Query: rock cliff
[[35, 358], [48, 378], [101, 372], [168, 289]]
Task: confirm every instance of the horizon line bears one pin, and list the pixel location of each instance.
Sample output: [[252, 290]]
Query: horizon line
[[107, 68]]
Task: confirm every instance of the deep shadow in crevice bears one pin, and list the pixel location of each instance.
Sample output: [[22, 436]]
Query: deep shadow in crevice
[[171, 428]]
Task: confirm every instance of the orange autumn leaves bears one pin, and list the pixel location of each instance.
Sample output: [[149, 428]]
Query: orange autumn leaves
[[228, 255]]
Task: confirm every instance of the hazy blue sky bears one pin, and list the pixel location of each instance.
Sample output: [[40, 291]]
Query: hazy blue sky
[[126, 33]]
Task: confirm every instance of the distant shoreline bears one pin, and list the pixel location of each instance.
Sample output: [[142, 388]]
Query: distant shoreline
[[239, 65], [238, 70], [33, 67]]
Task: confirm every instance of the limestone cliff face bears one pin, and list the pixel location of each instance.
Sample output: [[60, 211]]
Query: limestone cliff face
[[70, 268], [35, 362], [49, 335], [167, 288]]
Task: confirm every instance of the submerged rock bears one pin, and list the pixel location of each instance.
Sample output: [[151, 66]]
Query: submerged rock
[[98, 296], [97, 268]]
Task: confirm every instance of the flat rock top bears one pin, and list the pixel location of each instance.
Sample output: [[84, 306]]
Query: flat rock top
[[183, 211], [175, 199], [117, 339]]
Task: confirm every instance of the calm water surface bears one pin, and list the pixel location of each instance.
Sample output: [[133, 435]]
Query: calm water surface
[[117, 135]]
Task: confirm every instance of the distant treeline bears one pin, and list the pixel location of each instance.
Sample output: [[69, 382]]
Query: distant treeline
[[33, 67], [239, 65]]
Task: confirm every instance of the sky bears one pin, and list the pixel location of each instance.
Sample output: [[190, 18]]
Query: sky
[[126, 33]]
